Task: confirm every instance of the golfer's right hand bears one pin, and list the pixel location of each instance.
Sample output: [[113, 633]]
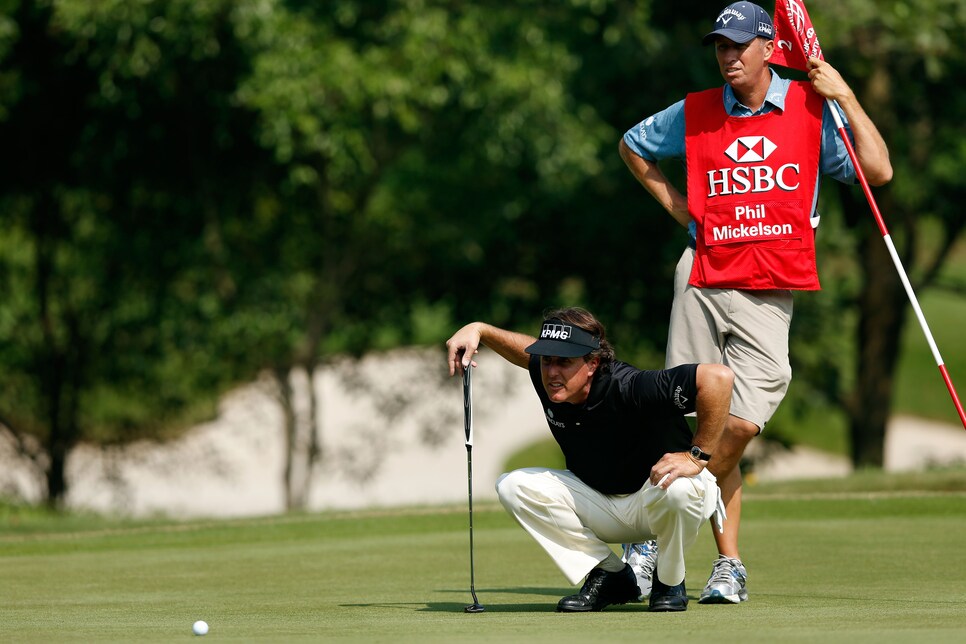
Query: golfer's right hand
[[462, 347]]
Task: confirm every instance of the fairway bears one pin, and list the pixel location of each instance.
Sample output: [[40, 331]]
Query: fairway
[[862, 566]]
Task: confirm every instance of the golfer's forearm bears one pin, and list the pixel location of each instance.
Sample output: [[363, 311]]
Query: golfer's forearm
[[650, 176], [713, 404], [509, 344]]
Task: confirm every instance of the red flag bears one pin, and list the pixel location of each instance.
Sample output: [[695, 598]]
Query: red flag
[[795, 38]]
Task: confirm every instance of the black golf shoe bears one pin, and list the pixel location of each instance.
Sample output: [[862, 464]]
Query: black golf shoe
[[666, 598], [602, 589]]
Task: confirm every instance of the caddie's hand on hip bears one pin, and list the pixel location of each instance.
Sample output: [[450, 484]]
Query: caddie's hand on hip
[[462, 347], [673, 466]]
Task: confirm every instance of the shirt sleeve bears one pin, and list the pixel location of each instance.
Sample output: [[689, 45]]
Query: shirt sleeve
[[667, 391], [834, 159], [659, 136]]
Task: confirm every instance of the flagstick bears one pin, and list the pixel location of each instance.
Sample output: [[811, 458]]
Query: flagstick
[[895, 259]]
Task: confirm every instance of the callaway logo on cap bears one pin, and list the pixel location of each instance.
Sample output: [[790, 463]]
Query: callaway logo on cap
[[563, 340], [740, 22]]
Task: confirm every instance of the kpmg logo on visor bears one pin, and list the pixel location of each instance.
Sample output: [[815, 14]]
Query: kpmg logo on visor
[[560, 339], [556, 331], [750, 149]]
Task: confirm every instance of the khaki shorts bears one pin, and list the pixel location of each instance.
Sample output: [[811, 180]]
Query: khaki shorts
[[745, 330]]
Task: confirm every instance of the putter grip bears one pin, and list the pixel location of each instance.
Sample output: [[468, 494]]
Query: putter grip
[[468, 405]]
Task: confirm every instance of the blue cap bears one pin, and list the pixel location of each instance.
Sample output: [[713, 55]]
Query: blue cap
[[740, 22]]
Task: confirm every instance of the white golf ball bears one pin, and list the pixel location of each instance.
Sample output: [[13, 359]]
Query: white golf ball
[[200, 627]]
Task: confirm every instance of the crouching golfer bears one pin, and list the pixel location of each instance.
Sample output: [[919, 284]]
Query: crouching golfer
[[634, 471]]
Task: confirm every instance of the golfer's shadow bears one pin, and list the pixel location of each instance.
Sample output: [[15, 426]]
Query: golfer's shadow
[[457, 607], [549, 606], [528, 607]]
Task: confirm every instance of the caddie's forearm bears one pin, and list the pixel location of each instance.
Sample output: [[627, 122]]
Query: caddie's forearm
[[649, 175], [509, 344], [870, 147], [713, 404]]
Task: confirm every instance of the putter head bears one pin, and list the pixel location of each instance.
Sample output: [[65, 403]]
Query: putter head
[[473, 608]]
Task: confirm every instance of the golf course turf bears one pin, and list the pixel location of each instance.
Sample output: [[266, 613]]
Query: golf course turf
[[879, 559]]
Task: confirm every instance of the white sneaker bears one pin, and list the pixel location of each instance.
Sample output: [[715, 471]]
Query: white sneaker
[[642, 558], [727, 582]]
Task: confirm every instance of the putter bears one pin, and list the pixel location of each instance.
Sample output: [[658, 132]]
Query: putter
[[475, 607]]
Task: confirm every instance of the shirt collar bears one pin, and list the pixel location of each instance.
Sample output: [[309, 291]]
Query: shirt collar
[[775, 99]]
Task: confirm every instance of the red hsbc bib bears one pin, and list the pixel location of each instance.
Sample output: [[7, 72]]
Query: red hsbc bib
[[751, 183]]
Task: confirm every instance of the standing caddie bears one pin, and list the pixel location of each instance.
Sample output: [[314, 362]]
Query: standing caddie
[[755, 151]]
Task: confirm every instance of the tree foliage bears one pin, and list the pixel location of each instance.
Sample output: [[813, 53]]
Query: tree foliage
[[124, 152], [902, 70], [196, 191]]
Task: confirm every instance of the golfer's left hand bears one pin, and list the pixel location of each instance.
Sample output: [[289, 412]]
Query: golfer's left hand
[[461, 348], [673, 466]]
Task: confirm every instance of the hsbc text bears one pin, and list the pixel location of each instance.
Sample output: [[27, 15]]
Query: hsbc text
[[757, 178]]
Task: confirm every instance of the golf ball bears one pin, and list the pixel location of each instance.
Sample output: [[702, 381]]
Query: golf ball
[[200, 627]]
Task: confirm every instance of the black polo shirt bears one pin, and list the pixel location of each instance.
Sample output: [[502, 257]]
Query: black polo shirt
[[629, 421]]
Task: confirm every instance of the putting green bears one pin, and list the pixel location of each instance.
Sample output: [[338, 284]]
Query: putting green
[[865, 566]]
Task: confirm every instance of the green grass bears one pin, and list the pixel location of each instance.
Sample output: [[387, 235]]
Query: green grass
[[870, 481], [541, 453], [870, 558], [920, 390]]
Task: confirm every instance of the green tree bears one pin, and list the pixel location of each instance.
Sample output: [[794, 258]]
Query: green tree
[[194, 192], [113, 115], [414, 138], [905, 72]]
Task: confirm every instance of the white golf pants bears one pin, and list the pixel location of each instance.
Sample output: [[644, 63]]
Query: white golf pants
[[575, 523]]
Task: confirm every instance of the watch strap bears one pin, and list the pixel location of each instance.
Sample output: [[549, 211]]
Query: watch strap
[[699, 454]]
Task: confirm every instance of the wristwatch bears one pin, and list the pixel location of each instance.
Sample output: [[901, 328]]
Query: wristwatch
[[698, 454]]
